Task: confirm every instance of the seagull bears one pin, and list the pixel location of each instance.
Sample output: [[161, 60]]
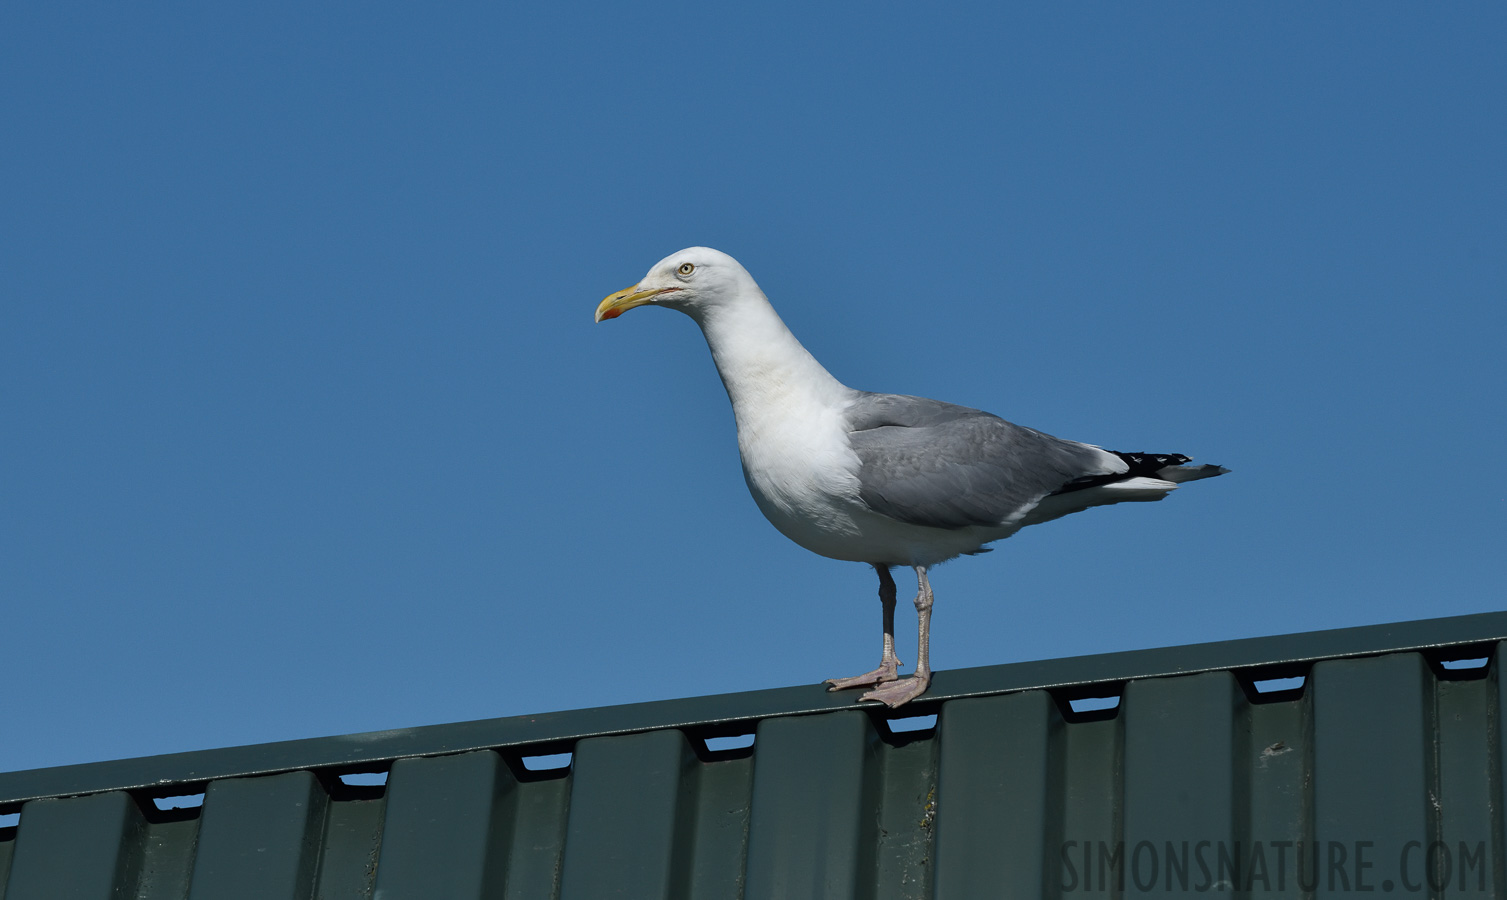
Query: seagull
[[883, 479]]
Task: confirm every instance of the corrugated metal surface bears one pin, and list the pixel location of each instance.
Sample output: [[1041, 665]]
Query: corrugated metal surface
[[1195, 780]]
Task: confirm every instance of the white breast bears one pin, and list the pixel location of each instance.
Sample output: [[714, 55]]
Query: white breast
[[801, 472], [792, 435]]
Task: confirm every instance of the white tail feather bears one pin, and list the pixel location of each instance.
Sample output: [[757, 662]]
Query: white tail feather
[[1138, 485]]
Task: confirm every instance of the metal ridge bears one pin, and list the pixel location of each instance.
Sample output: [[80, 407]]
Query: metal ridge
[[1268, 656]]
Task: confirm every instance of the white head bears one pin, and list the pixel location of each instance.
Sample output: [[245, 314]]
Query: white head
[[695, 281]]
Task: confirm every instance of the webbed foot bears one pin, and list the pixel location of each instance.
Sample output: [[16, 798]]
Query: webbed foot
[[898, 693], [885, 672]]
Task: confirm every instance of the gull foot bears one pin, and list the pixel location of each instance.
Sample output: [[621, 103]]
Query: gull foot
[[867, 679], [899, 692]]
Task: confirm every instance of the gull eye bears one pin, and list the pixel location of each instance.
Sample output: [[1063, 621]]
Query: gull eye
[[686, 269]]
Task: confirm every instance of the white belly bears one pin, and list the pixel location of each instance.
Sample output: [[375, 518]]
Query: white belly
[[804, 477]]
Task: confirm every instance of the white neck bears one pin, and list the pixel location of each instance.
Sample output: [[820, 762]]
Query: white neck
[[761, 362]]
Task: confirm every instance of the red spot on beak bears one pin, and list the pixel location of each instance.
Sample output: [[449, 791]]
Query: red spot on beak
[[611, 314]]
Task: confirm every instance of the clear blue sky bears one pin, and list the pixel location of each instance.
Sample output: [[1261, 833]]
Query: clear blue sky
[[307, 429]]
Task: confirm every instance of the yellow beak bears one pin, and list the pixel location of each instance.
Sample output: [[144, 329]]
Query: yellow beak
[[624, 300]]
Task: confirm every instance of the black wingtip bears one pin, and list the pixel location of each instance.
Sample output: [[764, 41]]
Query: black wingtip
[[1161, 466], [1149, 464]]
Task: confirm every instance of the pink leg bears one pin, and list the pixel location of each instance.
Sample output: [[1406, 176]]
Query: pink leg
[[888, 664], [907, 689]]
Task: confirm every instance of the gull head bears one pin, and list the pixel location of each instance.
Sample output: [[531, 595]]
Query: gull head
[[695, 281]]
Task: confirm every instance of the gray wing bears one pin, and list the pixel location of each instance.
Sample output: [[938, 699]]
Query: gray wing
[[931, 463]]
